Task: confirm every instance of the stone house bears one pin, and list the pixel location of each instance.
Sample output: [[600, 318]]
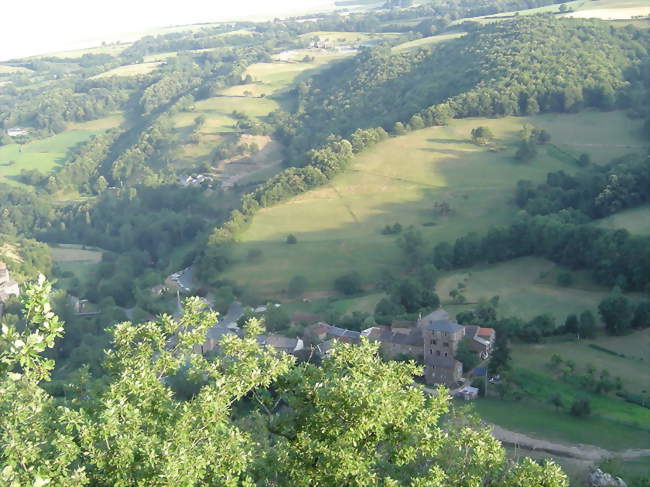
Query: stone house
[[395, 342], [441, 339]]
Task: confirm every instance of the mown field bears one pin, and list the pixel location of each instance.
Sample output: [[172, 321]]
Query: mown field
[[338, 226]]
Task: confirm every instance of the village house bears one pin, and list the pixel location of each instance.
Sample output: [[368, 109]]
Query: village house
[[481, 340], [441, 339], [283, 344], [323, 335], [401, 338], [17, 132]]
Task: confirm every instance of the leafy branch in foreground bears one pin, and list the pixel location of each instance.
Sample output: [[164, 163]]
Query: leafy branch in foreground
[[353, 421]]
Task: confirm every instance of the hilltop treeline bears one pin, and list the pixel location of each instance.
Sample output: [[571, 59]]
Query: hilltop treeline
[[523, 66]]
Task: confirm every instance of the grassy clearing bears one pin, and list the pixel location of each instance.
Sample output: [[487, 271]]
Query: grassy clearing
[[601, 9], [130, 70], [44, 155], [76, 253], [338, 225], [218, 112], [611, 13], [634, 372], [105, 123], [75, 259], [319, 305], [257, 99], [634, 220], [4, 69], [113, 50], [537, 419], [346, 38], [427, 41], [523, 289]]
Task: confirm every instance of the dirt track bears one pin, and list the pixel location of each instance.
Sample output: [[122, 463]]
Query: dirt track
[[587, 453]]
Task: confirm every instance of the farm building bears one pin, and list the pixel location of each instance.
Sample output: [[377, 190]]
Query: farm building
[[17, 132]]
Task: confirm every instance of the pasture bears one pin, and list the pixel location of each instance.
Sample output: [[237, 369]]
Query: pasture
[[76, 259], [632, 368], [346, 38], [338, 225], [539, 419], [427, 41], [523, 289], [6, 69], [257, 99], [130, 70], [634, 220], [44, 154]]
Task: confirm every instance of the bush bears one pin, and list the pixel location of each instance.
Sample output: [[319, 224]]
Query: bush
[[348, 283], [291, 239], [297, 286], [565, 279], [580, 408]]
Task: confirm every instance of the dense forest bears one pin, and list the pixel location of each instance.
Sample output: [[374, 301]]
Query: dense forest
[[524, 66]]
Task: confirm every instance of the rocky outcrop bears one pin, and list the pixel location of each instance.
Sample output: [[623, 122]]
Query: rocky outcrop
[[598, 478]]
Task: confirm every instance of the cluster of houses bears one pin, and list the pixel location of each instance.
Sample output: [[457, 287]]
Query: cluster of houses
[[8, 287], [196, 180], [434, 339]]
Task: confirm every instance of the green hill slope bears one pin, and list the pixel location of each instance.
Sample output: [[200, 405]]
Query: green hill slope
[[339, 225]]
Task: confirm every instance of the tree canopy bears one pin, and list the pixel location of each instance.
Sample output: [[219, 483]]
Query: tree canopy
[[355, 420]]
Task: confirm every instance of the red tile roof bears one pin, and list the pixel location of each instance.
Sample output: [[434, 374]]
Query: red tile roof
[[486, 332]]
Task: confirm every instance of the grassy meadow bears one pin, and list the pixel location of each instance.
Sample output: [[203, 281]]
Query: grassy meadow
[[257, 99], [338, 225], [427, 41], [539, 419], [634, 220], [526, 288], [76, 259], [44, 154], [632, 368], [130, 70]]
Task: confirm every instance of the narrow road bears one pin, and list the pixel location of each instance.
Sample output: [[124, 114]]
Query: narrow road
[[588, 453]]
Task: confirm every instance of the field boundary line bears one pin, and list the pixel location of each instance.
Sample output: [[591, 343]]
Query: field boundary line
[[344, 203], [401, 180]]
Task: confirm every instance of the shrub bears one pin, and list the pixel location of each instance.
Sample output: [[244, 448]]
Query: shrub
[[580, 408], [297, 286], [348, 283]]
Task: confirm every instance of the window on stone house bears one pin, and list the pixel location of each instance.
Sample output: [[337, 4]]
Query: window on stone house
[[446, 344], [438, 353]]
